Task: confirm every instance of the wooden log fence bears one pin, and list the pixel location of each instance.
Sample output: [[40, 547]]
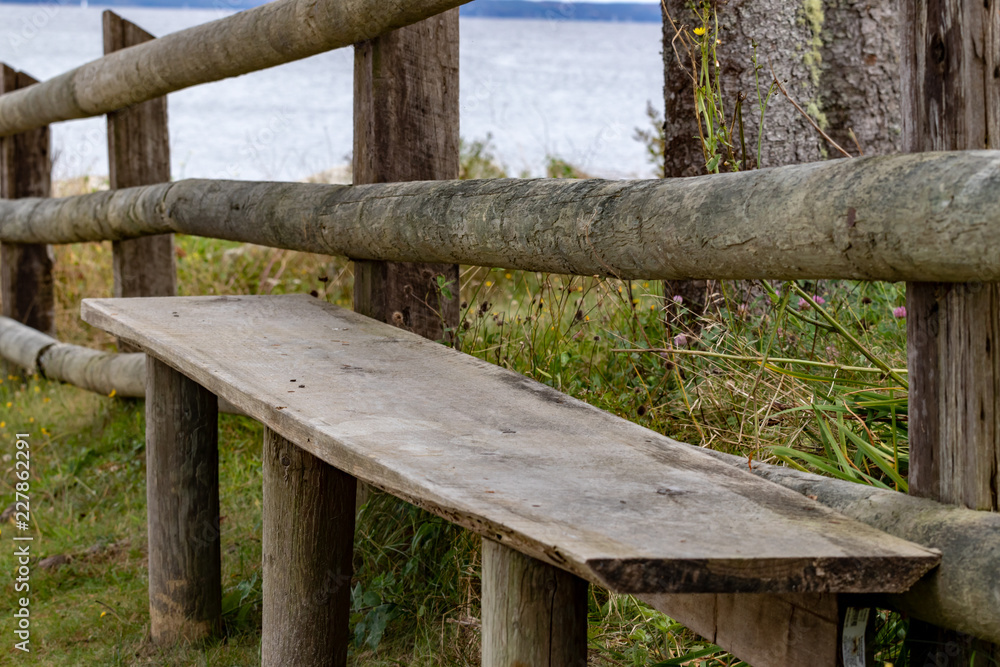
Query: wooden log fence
[[272, 34], [928, 216], [26, 287], [931, 219]]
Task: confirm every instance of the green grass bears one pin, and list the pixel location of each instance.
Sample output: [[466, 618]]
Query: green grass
[[767, 371]]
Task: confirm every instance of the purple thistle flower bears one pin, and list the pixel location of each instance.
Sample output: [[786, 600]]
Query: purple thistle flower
[[899, 313], [680, 340], [678, 299], [819, 300]]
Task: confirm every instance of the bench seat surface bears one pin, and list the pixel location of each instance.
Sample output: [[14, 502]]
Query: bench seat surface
[[507, 457]]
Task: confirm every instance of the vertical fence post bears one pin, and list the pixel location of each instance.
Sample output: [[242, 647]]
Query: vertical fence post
[[138, 154], [28, 293], [951, 101], [406, 129], [533, 613], [308, 544], [182, 496]]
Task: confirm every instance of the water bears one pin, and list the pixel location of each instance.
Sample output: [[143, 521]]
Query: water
[[573, 90]]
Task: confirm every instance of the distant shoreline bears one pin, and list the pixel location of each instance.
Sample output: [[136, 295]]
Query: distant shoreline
[[492, 9]]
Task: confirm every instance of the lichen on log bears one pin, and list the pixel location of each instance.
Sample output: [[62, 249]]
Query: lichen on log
[[931, 217]]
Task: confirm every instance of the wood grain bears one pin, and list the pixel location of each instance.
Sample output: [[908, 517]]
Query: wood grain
[[773, 630], [512, 459], [924, 216], [951, 101], [139, 154], [271, 34], [406, 129], [308, 541], [27, 289], [533, 613], [182, 497]]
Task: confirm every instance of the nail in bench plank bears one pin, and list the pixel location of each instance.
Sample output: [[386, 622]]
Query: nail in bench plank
[[512, 459]]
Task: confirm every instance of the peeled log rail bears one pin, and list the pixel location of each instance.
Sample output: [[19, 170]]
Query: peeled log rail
[[269, 35], [963, 592], [99, 372], [929, 216]]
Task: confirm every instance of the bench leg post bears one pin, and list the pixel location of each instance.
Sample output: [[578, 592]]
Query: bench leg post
[[533, 613], [308, 543], [182, 491]]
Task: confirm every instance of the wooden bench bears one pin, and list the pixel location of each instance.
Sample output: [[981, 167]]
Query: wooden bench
[[563, 492]]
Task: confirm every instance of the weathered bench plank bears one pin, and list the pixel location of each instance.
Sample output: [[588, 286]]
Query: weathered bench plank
[[519, 462]]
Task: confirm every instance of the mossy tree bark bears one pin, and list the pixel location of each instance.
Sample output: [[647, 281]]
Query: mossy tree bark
[[837, 58]]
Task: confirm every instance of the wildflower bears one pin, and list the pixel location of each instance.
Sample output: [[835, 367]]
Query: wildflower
[[678, 299], [680, 340], [3, 424], [112, 394], [31, 420], [819, 300], [700, 30], [46, 399], [37, 389], [9, 404], [803, 304], [652, 307], [507, 276], [489, 283], [899, 313], [103, 614]]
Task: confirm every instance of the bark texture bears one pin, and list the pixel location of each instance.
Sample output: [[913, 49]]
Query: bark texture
[[904, 217], [533, 613], [26, 286], [139, 154], [182, 496], [268, 35], [839, 59], [308, 542], [951, 101], [406, 128]]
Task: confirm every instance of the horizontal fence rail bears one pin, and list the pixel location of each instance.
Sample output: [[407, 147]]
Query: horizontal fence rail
[[108, 373], [101, 372], [964, 591], [919, 217], [255, 39]]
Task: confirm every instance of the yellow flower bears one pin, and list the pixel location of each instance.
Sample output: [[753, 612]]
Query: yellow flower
[[112, 394], [103, 614], [37, 389], [46, 399], [9, 404], [489, 283], [700, 31], [31, 420], [507, 276], [3, 424]]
